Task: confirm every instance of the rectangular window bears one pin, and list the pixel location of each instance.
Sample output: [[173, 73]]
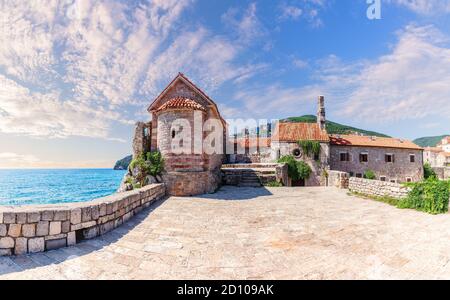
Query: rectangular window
[[389, 158], [352, 174], [364, 157], [393, 180], [359, 175], [412, 158], [345, 156], [383, 178], [408, 179]]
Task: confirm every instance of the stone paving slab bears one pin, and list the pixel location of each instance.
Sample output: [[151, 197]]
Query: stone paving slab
[[256, 233]]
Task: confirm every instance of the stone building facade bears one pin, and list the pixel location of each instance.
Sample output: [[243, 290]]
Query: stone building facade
[[182, 116], [390, 159]]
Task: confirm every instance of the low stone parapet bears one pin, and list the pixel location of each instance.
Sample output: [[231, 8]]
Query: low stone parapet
[[338, 179], [378, 188], [38, 228]]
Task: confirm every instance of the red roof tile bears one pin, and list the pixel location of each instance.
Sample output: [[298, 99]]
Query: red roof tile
[[294, 132], [252, 142], [181, 102], [368, 141]]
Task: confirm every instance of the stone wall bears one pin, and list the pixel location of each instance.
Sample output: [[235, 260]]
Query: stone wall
[[232, 174], [142, 138], [338, 179], [317, 178], [191, 183], [443, 173], [377, 188], [399, 170], [37, 228]]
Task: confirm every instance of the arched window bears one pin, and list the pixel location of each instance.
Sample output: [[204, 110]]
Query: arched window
[[173, 133]]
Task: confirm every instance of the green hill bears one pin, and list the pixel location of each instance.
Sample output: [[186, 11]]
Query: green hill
[[123, 163], [334, 128], [429, 141]]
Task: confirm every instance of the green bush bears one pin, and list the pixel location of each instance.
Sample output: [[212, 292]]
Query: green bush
[[431, 196], [369, 174], [296, 169], [428, 171], [150, 164], [274, 184], [310, 147]]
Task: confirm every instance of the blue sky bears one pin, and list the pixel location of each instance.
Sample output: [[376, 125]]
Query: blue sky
[[76, 74]]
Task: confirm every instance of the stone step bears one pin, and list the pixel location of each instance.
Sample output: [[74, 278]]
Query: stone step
[[244, 184]]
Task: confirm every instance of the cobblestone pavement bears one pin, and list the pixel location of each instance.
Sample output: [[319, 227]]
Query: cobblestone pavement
[[248, 233]]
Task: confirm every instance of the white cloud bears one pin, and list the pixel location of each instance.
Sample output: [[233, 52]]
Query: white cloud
[[290, 12], [247, 25], [308, 10], [425, 7], [74, 68], [409, 83]]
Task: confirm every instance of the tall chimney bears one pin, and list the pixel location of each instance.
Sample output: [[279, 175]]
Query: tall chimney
[[321, 120]]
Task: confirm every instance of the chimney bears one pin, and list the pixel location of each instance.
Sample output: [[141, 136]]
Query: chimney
[[321, 120]]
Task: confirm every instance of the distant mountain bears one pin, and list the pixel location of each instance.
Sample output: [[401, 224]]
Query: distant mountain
[[335, 128], [123, 163], [429, 141]]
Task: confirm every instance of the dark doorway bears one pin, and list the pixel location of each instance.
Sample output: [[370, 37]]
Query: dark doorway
[[300, 182]]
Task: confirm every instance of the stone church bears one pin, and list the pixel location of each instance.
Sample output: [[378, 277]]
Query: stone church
[[190, 169]]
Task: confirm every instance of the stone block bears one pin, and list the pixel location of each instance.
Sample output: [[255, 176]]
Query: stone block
[[5, 252], [71, 238], [102, 210], [21, 218], [95, 212], [42, 228], [15, 230], [86, 214], [55, 237], [36, 245], [3, 230], [21, 246], [29, 230], [55, 228], [55, 244], [47, 215], [65, 226], [6, 242], [33, 217], [9, 218], [90, 233], [61, 215], [82, 225], [75, 216]]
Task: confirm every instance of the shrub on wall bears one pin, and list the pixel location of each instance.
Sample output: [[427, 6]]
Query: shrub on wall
[[310, 148], [431, 196], [150, 164], [296, 169], [369, 174], [428, 171]]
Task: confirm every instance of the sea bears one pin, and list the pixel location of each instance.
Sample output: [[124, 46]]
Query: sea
[[27, 187]]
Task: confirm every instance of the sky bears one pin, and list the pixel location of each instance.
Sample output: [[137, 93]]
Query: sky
[[75, 75]]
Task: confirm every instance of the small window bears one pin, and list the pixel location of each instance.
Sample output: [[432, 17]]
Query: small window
[[364, 157], [359, 175], [173, 133], [316, 157], [393, 180], [352, 174], [412, 158], [389, 158], [408, 179], [383, 178], [345, 156]]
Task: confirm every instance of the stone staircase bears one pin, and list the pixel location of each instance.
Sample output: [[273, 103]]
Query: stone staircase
[[249, 179]]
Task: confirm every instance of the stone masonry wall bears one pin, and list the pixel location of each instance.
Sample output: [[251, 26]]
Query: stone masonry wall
[[338, 179], [377, 188], [399, 170], [37, 228]]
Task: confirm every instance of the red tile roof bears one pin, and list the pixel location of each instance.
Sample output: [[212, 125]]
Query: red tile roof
[[252, 142], [294, 132], [368, 141], [181, 102]]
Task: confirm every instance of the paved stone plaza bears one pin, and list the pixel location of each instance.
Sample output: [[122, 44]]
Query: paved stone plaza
[[256, 233]]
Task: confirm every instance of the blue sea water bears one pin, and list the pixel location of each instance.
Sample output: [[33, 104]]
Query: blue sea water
[[24, 187]]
